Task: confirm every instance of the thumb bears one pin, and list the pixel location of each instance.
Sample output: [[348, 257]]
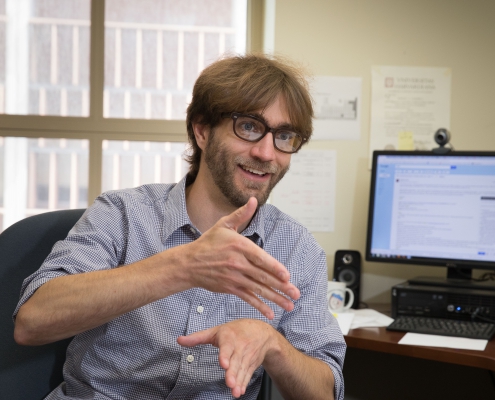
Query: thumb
[[201, 337], [240, 216]]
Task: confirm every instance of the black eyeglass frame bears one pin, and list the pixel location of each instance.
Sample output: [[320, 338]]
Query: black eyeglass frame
[[236, 115]]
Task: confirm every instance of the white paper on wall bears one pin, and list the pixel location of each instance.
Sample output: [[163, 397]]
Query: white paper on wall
[[307, 192], [337, 106]]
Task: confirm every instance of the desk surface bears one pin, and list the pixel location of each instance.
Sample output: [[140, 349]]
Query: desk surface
[[381, 340]]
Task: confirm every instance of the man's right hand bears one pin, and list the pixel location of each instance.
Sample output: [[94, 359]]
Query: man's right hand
[[224, 261], [221, 260]]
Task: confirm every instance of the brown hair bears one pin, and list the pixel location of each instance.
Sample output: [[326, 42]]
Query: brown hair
[[247, 84]]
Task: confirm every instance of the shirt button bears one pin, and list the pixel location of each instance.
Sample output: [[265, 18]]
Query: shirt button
[[200, 309], [190, 358], [193, 230]]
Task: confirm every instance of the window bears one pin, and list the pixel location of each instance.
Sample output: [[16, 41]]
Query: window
[[155, 50], [38, 175], [129, 164], [93, 92], [46, 48]]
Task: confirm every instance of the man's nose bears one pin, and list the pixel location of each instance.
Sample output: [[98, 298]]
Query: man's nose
[[264, 149]]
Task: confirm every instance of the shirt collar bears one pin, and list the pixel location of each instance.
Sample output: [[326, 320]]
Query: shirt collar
[[177, 217], [175, 209], [256, 228]]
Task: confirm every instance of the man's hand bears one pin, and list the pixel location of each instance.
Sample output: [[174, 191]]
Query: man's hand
[[224, 261], [243, 345]]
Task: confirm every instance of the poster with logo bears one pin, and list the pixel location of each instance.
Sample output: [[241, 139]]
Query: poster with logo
[[408, 105]]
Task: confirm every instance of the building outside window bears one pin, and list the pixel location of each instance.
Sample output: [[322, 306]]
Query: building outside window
[[93, 93]]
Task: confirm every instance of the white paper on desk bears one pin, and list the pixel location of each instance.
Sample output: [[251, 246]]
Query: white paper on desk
[[368, 318], [419, 339], [344, 320]]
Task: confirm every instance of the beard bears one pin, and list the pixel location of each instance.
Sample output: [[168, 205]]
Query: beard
[[222, 166]]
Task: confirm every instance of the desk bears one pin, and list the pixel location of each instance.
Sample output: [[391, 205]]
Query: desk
[[375, 362]]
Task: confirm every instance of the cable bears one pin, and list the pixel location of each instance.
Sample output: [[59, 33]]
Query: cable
[[362, 304], [487, 276], [485, 319]]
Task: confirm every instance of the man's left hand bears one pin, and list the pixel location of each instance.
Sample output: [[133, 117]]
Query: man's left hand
[[243, 345]]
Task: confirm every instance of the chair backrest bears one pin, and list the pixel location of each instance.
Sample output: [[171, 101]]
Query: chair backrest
[[33, 372], [266, 388], [28, 372]]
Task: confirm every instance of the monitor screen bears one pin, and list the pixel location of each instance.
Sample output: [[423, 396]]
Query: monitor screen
[[432, 209]]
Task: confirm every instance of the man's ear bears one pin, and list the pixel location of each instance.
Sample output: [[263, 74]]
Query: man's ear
[[201, 132]]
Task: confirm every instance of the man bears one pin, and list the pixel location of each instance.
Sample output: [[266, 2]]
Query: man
[[189, 291]]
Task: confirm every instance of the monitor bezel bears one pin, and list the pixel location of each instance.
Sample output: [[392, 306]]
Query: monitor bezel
[[423, 261]]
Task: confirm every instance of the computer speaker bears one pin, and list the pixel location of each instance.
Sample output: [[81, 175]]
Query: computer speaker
[[347, 268]]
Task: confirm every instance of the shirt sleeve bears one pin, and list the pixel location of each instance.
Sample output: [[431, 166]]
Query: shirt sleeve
[[310, 327], [96, 242]]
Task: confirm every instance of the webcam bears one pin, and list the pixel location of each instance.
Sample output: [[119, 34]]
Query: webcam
[[442, 136]]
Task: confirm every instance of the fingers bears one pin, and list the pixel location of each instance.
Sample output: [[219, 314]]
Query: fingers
[[232, 360], [247, 377], [252, 299], [225, 261], [253, 253], [242, 345], [226, 351], [208, 337], [243, 351], [240, 372], [262, 261], [259, 281], [267, 271]]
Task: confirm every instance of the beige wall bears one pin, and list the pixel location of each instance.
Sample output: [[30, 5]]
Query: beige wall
[[345, 38]]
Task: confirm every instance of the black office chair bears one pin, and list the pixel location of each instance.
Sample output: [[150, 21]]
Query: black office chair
[[266, 388], [28, 372], [33, 372]]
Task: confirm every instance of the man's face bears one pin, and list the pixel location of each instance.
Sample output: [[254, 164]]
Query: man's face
[[242, 169]]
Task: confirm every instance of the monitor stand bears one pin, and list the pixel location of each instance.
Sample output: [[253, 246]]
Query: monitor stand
[[456, 278]]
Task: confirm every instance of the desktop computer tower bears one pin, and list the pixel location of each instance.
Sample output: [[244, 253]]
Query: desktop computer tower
[[442, 302]]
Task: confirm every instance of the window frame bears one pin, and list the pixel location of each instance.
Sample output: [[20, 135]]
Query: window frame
[[95, 128]]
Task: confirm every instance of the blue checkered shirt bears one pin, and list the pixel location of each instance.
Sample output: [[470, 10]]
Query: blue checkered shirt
[[136, 356]]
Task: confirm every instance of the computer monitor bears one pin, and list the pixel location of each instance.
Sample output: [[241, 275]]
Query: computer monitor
[[436, 210]]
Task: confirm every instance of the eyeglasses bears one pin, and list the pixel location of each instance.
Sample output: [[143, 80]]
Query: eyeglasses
[[253, 129]]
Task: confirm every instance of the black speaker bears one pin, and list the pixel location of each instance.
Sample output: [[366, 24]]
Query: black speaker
[[347, 268]]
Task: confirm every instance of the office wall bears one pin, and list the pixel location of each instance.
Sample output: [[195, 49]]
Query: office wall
[[345, 38]]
